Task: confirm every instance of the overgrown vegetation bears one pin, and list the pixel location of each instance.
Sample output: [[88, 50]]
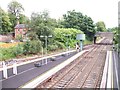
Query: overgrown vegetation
[[63, 31], [116, 38], [67, 36], [79, 21], [34, 46]]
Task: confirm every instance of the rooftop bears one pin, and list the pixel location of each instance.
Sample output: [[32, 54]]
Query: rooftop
[[20, 26]]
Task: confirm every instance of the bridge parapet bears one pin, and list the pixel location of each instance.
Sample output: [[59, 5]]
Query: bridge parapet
[[108, 35]]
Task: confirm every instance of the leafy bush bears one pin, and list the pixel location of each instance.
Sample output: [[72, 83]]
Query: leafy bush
[[26, 47], [66, 36], [32, 36], [18, 50], [35, 46], [32, 47], [7, 53], [52, 47], [19, 37], [60, 44]]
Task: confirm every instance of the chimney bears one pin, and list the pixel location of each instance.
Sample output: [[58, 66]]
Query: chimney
[[18, 22]]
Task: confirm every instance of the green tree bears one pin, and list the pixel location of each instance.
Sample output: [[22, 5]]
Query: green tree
[[13, 20], [15, 9], [0, 19], [32, 35], [116, 39], [79, 21], [58, 23], [42, 24], [24, 19], [116, 31], [4, 22], [101, 26]]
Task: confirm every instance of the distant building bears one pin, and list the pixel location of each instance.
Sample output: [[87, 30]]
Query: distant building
[[20, 30], [6, 38]]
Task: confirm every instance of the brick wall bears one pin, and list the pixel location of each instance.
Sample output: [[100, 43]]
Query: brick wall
[[6, 38], [20, 32]]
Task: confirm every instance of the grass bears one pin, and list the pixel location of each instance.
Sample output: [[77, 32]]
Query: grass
[[2, 43], [86, 42], [8, 45]]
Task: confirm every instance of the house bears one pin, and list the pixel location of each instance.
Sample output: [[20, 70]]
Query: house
[[20, 30]]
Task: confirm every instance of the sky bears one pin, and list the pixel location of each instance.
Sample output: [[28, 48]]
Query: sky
[[98, 10]]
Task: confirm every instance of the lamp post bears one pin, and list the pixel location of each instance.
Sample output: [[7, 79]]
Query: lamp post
[[17, 18], [46, 38]]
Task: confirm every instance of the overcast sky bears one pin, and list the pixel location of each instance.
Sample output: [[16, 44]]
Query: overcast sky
[[98, 10]]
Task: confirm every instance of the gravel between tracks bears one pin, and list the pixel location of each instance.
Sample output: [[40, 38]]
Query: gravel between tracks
[[84, 72]]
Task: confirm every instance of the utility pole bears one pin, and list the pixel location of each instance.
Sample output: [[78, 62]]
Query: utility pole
[[46, 48]]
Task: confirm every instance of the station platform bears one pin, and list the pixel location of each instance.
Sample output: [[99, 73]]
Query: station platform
[[111, 73], [116, 70]]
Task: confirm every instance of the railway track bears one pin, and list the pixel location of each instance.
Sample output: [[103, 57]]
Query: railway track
[[84, 72]]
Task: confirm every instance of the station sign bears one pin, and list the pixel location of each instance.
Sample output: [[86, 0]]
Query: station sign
[[80, 37]]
